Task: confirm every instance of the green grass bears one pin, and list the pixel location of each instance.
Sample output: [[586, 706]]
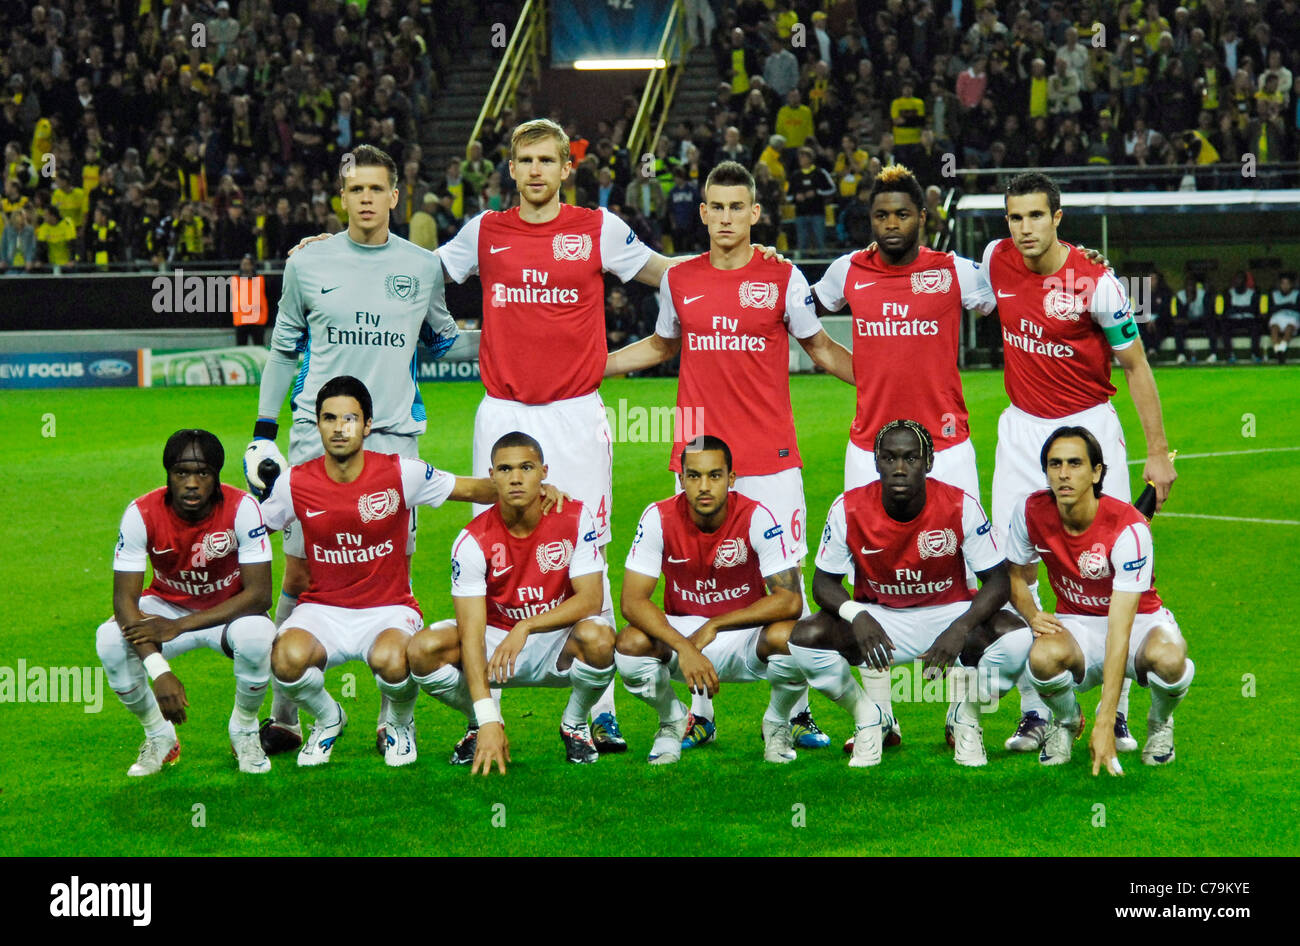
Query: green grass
[[1231, 790]]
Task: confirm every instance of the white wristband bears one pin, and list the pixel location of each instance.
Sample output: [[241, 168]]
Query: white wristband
[[156, 665], [485, 711], [851, 609]]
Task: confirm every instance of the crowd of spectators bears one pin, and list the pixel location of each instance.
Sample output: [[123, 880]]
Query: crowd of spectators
[[169, 132]]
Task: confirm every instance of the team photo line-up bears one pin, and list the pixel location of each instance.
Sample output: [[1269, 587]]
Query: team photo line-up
[[931, 577]]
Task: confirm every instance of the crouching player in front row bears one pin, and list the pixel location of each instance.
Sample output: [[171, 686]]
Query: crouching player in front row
[[353, 507], [907, 540], [211, 588], [528, 589], [1110, 624], [717, 550]]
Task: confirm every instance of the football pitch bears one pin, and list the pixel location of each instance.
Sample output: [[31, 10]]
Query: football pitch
[[81, 456]]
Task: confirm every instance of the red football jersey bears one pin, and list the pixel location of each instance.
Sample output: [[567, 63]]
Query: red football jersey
[[543, 297], [1057, 355], [1114, 553], [195, 564], [709, 573], [734, 383], [523, 576], [908, 564], [906, 333], [355, 533]]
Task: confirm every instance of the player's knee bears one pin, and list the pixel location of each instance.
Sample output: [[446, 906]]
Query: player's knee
[[776, 639], [595, 641], [811, 631], [431, 648], [634, 642], [388, 656], [109, 643], [1165, 654], [1048, 657], [251, 637], [291, 654]]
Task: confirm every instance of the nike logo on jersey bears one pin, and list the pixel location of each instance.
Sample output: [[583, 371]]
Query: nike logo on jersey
[[689, 299], [498, 572], [867, 551], [494, 250], [678, 561], [1005, 295], [323, 290], [863, 285], [163, 551], [1041, 551], [312, 514]]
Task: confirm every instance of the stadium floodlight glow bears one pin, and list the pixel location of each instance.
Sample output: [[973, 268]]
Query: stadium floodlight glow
[[590, 64]]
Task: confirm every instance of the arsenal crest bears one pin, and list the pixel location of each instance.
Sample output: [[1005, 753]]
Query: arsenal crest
[[758, 295], [401, 286], [936, 542], [218, 544], [932, 280], [1093, 564], [554, 556], [731, 553], [1059, 304], [379, 505], [571, 246]]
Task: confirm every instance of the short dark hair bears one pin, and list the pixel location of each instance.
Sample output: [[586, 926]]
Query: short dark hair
[[705, 442], [346, 386], [731, 174], [1034, 182], [517, 438], [923, 435], [367, 156], [898, 179], [1094, 451]]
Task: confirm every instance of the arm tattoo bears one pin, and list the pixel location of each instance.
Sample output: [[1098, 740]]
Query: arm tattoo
[[787, 580]]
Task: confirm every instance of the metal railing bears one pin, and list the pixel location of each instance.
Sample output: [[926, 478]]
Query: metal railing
[[525, 52], [661, 86]]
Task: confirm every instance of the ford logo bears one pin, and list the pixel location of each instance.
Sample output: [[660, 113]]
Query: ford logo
[[111, 368]]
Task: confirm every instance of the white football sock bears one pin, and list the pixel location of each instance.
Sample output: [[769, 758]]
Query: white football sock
[[876, 685], [588, 683], [126, 677], [1002, 664], [1165, 697], [308, 691], [788, 686], [605, 701], [801, 701], [829, 674], [250, 640], [647, 678], [447, 685], [1122, 705], [1058, 694], [1030, 700], [401, 699], [283, 709], [702, 705]]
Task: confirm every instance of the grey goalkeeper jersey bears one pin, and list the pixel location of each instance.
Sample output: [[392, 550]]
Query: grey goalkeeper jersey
[[357, 310]]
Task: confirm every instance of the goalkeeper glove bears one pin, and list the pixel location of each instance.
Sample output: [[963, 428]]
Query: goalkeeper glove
[[263, 461]]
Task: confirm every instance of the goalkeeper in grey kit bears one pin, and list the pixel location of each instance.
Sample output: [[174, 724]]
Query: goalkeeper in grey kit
[[355, 304]]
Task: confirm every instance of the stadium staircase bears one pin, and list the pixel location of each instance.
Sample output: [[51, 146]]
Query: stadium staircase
[[456, 105]]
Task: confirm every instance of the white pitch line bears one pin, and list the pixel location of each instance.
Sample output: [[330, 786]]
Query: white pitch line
[[1226, 453], [1196, 515]]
